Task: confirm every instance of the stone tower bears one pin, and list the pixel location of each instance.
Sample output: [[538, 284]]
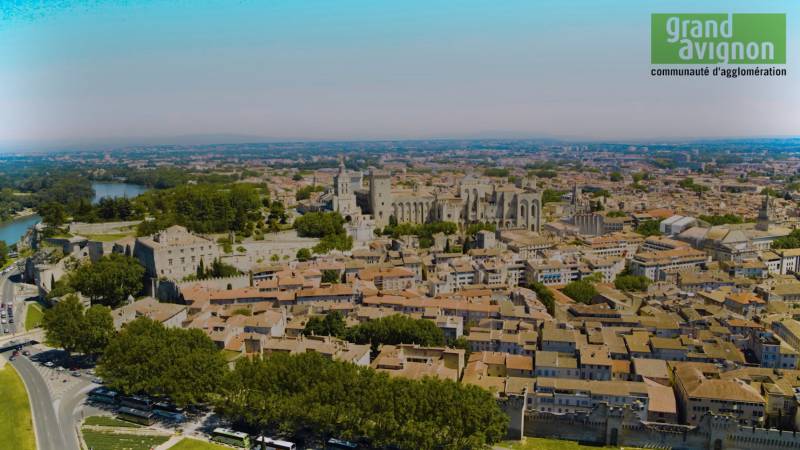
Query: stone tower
[[380, 196], [764, 214]]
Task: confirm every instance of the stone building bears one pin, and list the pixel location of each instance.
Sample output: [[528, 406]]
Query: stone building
[[476, 200], [174, 253]]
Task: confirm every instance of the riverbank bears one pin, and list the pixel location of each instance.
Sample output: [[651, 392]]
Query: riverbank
[[27, 212]]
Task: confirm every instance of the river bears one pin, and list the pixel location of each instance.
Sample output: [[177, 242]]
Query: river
[[12, 230]]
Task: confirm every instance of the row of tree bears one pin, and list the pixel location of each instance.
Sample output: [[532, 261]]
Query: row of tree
[[108, 209], [393, 330], [307, 397], [311, 398]]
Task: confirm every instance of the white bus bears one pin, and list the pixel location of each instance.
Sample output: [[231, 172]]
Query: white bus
[[231, 437], [265, 443]]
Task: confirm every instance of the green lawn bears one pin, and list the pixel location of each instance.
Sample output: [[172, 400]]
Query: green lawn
[[16, 427], [34, 316], [108, 421], [531, 443], [100, 440], [194, 444], [107, 237]]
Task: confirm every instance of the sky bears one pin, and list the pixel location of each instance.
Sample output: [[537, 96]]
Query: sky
[[77, 72]]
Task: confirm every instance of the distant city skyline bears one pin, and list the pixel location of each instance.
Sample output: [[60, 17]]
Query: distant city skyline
[[114, 72]]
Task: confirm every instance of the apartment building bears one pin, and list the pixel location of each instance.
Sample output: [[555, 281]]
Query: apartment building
[[564, 396], [700, 392]]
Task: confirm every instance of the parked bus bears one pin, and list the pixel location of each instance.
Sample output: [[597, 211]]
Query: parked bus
[[136, 415], [339, 444], [169, 411], [170, 416], [103, 395], [136, 402], [231, 437], [265, 443]]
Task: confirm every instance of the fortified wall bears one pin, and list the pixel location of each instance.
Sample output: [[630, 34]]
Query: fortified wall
[[614, 426]]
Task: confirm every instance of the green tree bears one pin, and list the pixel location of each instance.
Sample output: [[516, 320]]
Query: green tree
[[545, 296], [792, 240], [110, 280], [331, 324], [98, 329], [53, 214], [396, 329], [63, 324], [551, 196], [330, 276], [305, 192], [146, 357], [303, 254], [615, 176], [723, 219], [3, 252], [629, 283], [649, 228], [309, 397], [582, 291], [319, 224]]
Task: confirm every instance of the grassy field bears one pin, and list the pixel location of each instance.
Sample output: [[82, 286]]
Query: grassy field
[[194, 444], [99, 440], [16, 427], [107, 237], [531, 443], [108, 421], [34, 316]]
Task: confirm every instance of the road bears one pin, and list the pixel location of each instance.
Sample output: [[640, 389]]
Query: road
[[7, 288], [54, 420], [48, 432]]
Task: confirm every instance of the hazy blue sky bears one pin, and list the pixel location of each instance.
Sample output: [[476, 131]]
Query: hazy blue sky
[[346, 69]]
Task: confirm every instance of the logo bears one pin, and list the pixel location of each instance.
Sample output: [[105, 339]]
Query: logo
[[718, 39]]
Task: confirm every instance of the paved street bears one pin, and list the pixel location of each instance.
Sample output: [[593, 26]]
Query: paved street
[[56, 399], [8, 296], [48, 435]]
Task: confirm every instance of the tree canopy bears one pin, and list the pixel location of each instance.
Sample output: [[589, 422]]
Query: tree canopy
[[792, 240], [649, 228], [312, 398], [396, 329], [110, 280], [328, 226], [545, 296], [722, 219], [146, 357], [203, 208], [582, 291], [628, 282], [70, 326], [331, 324]]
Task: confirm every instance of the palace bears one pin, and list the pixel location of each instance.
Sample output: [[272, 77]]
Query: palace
[[475, 200]]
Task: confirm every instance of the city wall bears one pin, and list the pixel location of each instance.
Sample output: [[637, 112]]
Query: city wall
[[619, 427]]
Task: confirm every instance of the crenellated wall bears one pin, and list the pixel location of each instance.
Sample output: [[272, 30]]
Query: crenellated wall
[[619, 427]]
